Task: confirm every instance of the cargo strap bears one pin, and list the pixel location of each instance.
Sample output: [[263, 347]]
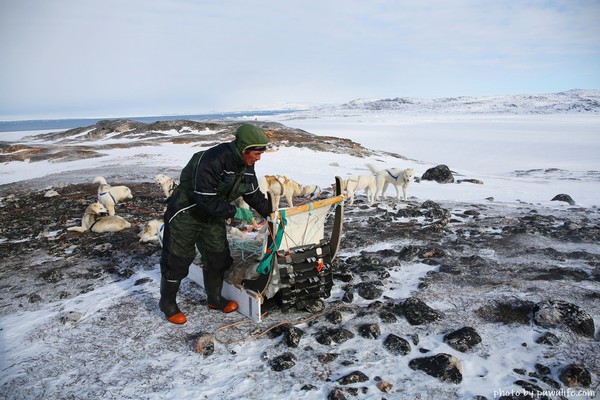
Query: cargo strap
[[264, 267]]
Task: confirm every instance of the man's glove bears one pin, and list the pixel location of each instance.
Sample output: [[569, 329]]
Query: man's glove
[[243, 214]]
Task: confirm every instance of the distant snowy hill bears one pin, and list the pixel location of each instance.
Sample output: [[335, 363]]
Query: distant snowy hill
[[572, 101]]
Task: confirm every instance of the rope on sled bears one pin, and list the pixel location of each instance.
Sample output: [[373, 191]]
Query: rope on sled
[[247, 248], [265, 331]]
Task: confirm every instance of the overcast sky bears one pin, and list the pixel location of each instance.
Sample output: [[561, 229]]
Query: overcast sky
[[101, 58]]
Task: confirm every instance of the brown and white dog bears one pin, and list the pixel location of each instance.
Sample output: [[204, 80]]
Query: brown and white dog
[[109, 195], [93, 220], [280, 186], [166, 184], [399, 178], [361, 182]]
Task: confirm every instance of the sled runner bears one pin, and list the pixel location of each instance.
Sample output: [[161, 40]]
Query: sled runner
[[288, 261]]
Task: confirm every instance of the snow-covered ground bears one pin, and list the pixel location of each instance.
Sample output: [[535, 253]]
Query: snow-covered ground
[[519, 158]]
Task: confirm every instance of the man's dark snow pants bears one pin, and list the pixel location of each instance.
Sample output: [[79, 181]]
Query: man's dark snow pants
[[184, 232]]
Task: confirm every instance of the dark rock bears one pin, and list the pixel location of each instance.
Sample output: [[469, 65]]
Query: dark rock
[[336, 394], [292, 336], [517, 311], [283, 362], [52, 276], [564, 197], [396, 345], [463, 339], [550, 314], [348, 296], [440, 174], [387, 317], [445, 367], [575, 375], [35, 298], [336, 335], [542, 369], [419, 313], [327, 357], [550, 382], [475, 181], [335, 317], [369, 331], [533, 389], [353, 377], [369, 290]]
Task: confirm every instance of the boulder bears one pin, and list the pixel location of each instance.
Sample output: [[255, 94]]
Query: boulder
[[445, 367], [419, 313], [555, 313], [396, 345], [463, 339], [283, 362], [369, 290], [440, 174], [575, 375], [564, 197]]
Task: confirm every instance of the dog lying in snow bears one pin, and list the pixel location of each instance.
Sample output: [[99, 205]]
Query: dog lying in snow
[[167, 184], [399, 178], [109, 195], [93, 221], [360, 182], [152, 231]]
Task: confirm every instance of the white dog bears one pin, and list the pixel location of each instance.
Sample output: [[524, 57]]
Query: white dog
[[109, 196], [311, 191], [167, 184], [93, 221], [361, 182], [152, 232], [280, 186], [394, 176]]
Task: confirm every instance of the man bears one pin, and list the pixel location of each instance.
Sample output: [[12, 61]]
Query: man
[[196, 214]]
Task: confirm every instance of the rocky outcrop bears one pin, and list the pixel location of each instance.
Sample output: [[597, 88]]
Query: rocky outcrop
[[555, 313]]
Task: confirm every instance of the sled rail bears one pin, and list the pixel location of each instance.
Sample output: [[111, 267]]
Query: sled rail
[[313, 204]]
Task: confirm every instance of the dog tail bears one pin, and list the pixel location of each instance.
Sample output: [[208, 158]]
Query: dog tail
[[373, 168], [100, 180], [77, 229]]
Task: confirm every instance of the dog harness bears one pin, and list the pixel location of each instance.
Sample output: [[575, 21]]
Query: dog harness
[[390, 174], [108, 193]]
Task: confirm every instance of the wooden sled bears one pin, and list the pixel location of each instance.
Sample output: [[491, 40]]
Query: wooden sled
[[294, 259]]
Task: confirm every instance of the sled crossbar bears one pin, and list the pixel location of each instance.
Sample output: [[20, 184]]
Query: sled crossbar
[[314, 204]]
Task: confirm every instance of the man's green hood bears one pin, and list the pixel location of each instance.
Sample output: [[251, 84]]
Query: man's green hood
[[248, 136]]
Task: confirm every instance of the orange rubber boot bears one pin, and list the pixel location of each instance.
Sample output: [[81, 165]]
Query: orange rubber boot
[[230, 306], [178, 318]]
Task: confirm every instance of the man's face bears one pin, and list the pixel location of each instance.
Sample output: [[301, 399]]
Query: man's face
[[251, 156]]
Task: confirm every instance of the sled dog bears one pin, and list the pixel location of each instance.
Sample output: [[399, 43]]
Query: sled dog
[[109, 195], [152, 231], [280, 186], [167, 184], [399, 178], [311, 191], [361, 182], [93, 221]]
